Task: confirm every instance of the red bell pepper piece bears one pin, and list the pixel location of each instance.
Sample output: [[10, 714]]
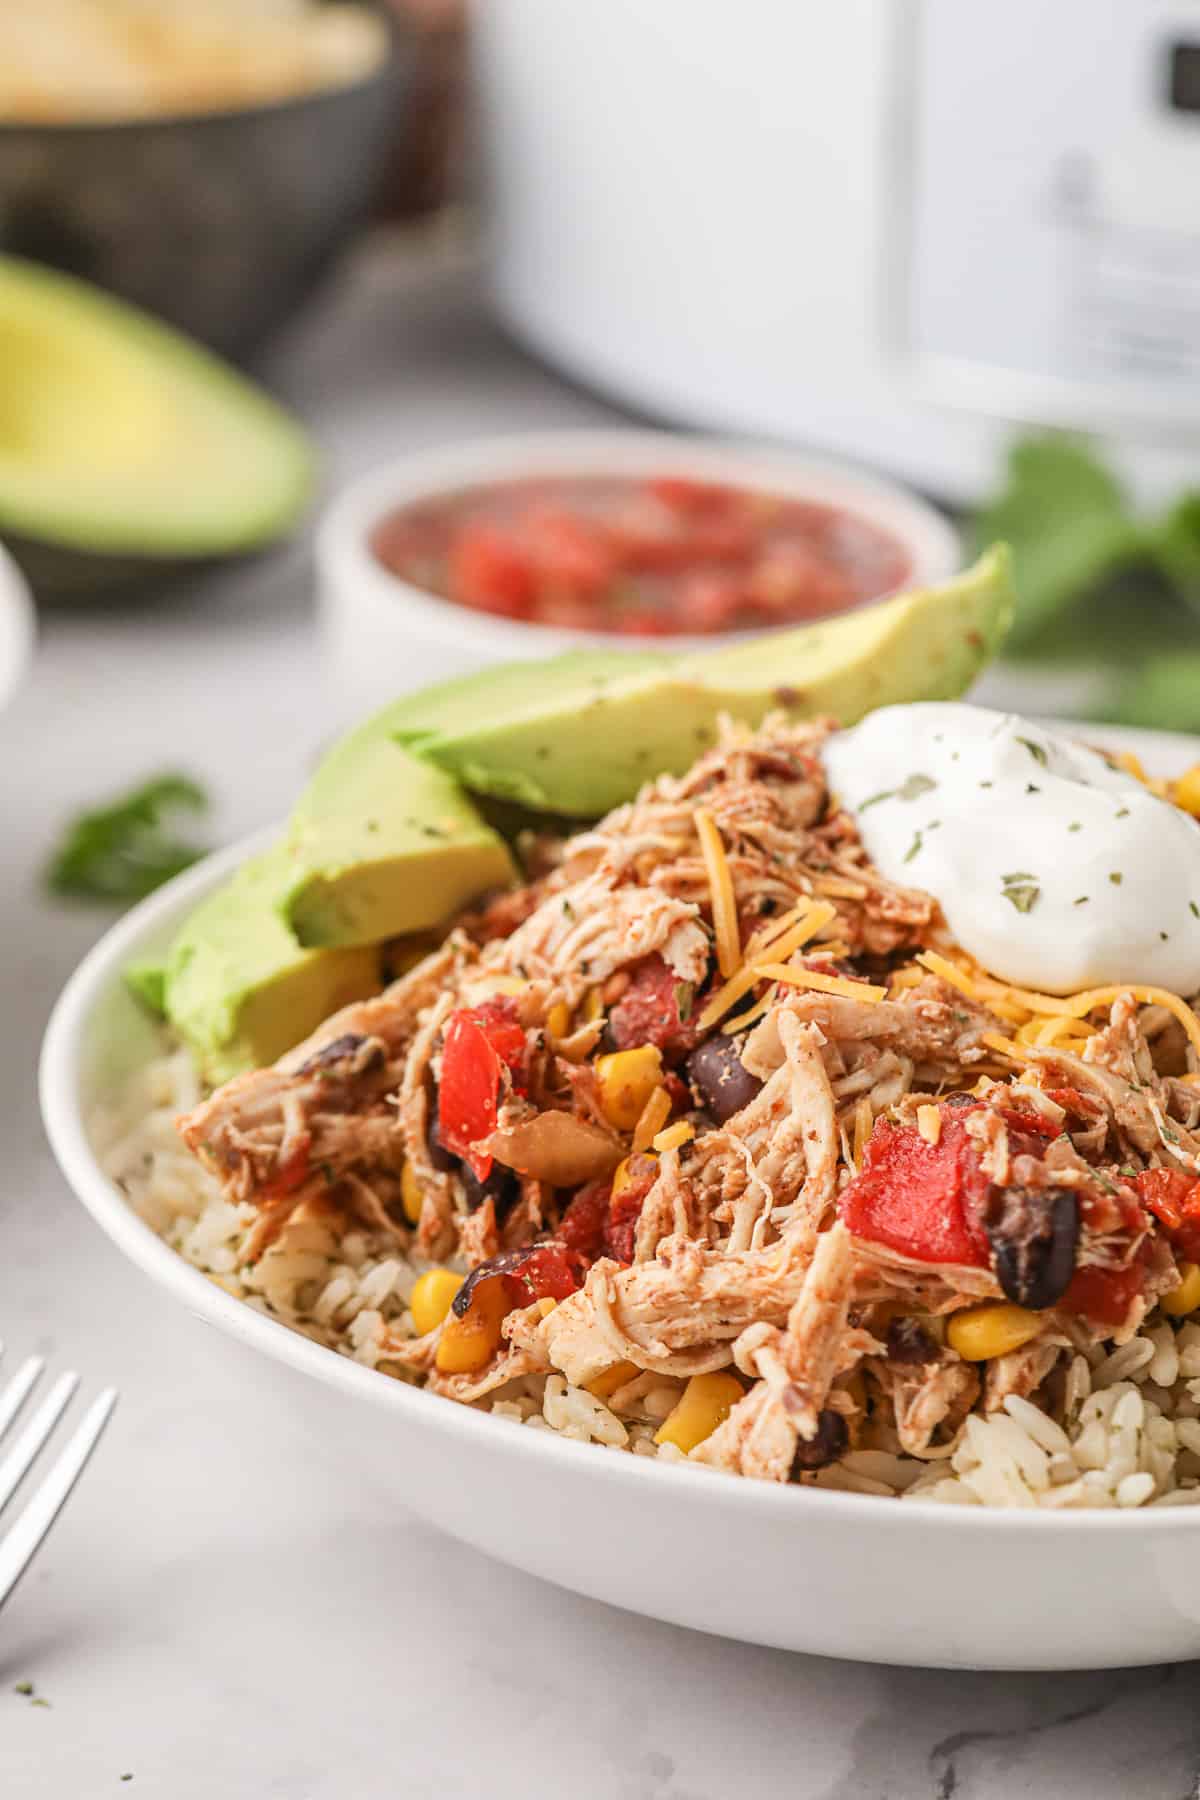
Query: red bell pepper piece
[[479, 1041]]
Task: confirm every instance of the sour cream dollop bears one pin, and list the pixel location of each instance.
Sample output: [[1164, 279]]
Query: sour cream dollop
[[1053, 870]]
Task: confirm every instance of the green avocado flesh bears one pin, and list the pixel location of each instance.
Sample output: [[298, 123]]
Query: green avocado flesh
[[121, 438], [381, 844], [238, 986], [579, 734]]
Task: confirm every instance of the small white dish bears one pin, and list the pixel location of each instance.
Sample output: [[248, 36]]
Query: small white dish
[[384, 636], [16, 626], [910, 1582]]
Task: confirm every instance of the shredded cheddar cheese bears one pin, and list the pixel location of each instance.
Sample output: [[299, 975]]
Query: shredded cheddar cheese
[[864, 1124], [1004, 1046], [815, 918], [724, 901], [674, 1136], [824, 984], [837, 887], [654, 1116]]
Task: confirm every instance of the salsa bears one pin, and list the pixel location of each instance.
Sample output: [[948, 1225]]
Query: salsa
[[649, 558]]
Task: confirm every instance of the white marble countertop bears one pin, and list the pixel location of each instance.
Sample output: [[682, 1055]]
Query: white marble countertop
[[225, 1610]]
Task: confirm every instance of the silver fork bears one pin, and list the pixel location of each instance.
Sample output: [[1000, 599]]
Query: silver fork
[[20, 1543]]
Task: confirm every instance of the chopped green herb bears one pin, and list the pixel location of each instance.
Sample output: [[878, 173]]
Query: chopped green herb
[[1194, 909], [24, 1688], [915, 846], [1116, 878], [1037, 751], [1082, 900], [1032, 788], [1022, 890], [568, 910], [911, 788], [1123, 813], [38, 1701], [1074, 825], [685, 994], [1165, 936], [123, 851], [987, 784]]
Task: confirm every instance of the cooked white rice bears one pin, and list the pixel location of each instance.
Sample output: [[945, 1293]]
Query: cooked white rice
[[1129, 1435]]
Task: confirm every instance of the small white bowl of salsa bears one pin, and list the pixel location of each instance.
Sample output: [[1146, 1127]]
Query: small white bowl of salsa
[[450, 560]]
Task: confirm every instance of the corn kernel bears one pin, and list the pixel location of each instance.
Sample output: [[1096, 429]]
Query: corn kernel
[[674, 1136], [546, 1306], [431, 1298], [626, 1079], [592, 1006], [653, 1117], [609, 1380], [1132, 765], [469, 1343], [411, 1197], [980, 1332], [705, 1403], [558, 1019], [1186, 791], [1186, 1297]]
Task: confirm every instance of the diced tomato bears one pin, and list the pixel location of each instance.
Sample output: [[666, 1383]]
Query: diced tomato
[[652, 1008], [582, 1225], [1104, 1295], [681, 492], [620, 1228], [1033, 1123], [924, 1200], [549, 1272], [569, 555], [478, 1042], [1174, 1199], [488, 570], [1072, 1101]]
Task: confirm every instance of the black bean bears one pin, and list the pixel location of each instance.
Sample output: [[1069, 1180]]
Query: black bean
[[826, 1446], [502, 1186], [1034, 1234], [439, 1156], [509, 1262], [909, 1343], [718, 1078]]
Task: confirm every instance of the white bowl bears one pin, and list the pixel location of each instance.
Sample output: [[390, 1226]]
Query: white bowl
[[384, 636], [16, 626], [911, 1582]]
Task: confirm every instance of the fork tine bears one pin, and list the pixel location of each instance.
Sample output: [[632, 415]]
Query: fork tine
[[20, 1458], [19, 1545], [17, 1392]]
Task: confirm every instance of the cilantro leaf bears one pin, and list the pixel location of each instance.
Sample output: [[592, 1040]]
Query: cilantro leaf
[[123, 851]]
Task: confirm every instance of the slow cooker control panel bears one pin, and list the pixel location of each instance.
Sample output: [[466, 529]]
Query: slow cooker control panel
[[1050, 251]]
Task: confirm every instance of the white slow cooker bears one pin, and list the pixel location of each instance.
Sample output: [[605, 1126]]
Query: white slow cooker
[[888, 228]]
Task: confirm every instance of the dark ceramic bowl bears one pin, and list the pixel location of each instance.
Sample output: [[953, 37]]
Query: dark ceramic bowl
[[221, 223]]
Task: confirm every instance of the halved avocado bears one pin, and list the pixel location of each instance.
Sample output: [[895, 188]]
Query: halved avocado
[[121, 440], [579, 734]]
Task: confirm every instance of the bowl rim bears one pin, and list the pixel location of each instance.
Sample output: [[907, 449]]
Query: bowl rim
[[59, 1074], [17, 625], [350, 570], [398, 39]]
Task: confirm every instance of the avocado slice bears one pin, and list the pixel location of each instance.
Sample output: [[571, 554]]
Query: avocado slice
[[579, 734], [147, 982], [240, 989], [381, 844], [122, 438]]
